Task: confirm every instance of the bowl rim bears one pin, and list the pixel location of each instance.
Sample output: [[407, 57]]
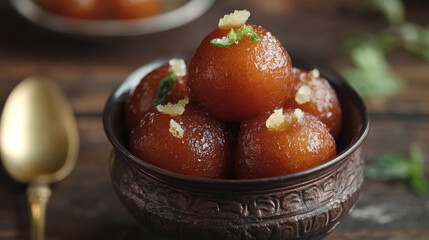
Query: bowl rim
[[182, 15], [139, 73]]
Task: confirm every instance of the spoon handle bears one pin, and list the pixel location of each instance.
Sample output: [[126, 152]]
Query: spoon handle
[[38, 196]]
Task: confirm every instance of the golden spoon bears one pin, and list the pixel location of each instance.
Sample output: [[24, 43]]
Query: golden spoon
[[38, 142]]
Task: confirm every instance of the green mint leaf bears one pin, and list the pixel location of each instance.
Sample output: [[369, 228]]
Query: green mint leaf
[[414, 38], [372, 84], [372, 75], [418, 183], [237, 35], [416, 155], [393, 166], [386, 41], [393, 10], [416, 175], [387, 167], [369, 57], [164, 88]]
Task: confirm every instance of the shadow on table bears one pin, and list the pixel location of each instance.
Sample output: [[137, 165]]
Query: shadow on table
[[14, 211]]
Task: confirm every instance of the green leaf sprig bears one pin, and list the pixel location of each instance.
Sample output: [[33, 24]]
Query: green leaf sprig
[[413, 38], [372, 75], [236, 35], [164, 88], [394, 167]]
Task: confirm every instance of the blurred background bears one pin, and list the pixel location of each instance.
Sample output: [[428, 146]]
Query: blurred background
[[381, 47]]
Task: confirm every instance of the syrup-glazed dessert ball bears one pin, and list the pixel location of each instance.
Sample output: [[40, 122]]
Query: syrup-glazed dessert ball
[[88, 9], [128, 9], [313, 94], [240, 70], [144, 97], [282, 143], [184, 139]]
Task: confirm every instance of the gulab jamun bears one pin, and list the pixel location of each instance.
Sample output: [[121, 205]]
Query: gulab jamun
[[183, 138], [252, 115], [244, 79], [282, 143], [313, 94], [143, 98], [87, 9], [129, 9]]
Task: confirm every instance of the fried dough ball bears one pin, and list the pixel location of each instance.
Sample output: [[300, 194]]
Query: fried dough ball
[[191, 143], [313, 94], [143, 99], [282, 143], [85, 9], [129, 9], [242, 80]]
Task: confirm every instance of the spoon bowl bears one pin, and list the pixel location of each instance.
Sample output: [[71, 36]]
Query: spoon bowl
[[38, 141]]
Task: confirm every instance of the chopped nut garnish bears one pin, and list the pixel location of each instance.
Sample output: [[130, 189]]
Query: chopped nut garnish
[[303, 95], [175, 129], [278, 121], [173, 109], [275, 121], [236, 19], [177, 67], [299, 115], [314, 73]]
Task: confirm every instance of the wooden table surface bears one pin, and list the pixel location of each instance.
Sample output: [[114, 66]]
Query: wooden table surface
[[84, 206]]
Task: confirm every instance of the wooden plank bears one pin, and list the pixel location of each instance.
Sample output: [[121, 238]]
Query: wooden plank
[[84, 205], [88, 87], [397, 234]]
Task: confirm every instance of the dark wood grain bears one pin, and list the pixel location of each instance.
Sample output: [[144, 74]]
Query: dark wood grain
[[84, 206]]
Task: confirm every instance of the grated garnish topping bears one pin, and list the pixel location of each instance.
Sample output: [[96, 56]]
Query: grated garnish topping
[[173, 109], [175, 129]]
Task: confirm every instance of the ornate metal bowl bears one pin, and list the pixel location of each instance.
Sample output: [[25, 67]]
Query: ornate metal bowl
[[305, 205]]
